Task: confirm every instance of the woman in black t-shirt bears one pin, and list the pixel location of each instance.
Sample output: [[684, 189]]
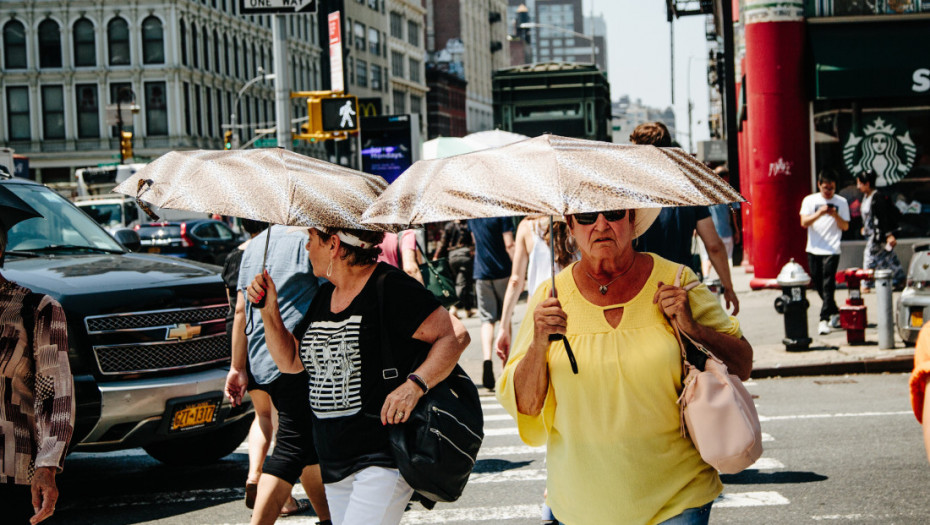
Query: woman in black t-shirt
[[339, 344]]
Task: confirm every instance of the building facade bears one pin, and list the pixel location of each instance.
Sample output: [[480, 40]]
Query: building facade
[[406, 56], [473, 35], [68, 65]]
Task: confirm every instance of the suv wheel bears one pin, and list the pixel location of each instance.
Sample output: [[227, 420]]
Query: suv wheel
[[204, 448]]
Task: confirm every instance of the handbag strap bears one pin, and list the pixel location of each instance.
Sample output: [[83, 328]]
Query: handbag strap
[[682, 337], [389, 371]]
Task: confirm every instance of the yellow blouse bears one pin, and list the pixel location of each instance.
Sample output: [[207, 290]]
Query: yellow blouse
[[614, 449]]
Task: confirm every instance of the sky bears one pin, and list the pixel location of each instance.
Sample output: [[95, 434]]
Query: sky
[[639, 57]]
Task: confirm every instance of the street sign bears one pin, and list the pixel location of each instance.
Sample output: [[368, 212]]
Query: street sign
[[281, 7], [335, 53], [266, 143]]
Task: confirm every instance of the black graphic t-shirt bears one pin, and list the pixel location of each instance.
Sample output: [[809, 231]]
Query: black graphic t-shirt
[[342, 355]]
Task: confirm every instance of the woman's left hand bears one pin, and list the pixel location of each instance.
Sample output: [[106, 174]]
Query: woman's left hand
[[674, 303], [399, 403]]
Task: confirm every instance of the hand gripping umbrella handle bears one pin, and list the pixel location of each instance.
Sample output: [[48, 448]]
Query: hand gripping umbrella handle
[[554, 293], [261, 302]]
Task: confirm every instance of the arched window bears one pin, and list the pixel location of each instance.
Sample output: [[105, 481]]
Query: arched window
[[118, 42], [85, 48], [183, 31], [14, 45], [216, 52], [195, 54], [49, 44], [206, 50], [235, 46], [153, 41]]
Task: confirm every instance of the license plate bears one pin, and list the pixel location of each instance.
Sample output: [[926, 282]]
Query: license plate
[[194, 415], [154, 249], [917, 318]]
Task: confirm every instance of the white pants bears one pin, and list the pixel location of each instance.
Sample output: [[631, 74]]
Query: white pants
[[371, 496]]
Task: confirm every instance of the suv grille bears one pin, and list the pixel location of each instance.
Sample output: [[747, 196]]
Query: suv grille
[[149, 351], [159, 318], [155, 357]]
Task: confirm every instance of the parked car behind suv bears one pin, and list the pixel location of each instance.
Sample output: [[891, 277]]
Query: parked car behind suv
[[204, 240], [147, 336], [914, 302]]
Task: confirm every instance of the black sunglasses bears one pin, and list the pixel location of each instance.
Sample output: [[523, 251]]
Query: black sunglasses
[[587, 219]]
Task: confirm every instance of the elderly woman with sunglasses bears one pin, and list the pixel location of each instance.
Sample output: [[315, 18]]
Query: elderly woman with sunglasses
[[338, 342], [608, 414]]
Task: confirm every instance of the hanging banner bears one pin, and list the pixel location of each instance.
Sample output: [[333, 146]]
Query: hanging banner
[[335, 53]]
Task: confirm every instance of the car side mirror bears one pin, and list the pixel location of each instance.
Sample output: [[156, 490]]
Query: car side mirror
[[129, 239]]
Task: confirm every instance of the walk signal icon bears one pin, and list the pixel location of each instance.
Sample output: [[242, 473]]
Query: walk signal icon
[[340, 113], [125, 145], [227, 139]]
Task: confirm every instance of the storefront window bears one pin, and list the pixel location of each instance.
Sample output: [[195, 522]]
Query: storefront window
[[815, 8], [888, 136]]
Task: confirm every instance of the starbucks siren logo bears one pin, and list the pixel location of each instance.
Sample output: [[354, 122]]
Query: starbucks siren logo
[[890, 156]]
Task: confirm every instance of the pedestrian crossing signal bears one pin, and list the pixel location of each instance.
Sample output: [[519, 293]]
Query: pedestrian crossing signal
[[227, 139], [340, 113]]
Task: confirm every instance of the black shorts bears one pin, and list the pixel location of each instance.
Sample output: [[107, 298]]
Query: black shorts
[[293, 448]]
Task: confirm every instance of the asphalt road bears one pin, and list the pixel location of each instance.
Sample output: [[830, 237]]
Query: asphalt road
[[837, 449]]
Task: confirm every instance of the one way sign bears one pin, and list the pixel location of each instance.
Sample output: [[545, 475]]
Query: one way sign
[[265, 7]]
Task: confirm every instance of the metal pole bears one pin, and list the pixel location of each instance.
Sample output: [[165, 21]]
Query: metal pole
[[119, 125], [729, 93], [282, 88], [885, 309], [671, 40]]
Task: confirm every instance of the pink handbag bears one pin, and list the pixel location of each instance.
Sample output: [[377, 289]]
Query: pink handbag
[[716, 409]]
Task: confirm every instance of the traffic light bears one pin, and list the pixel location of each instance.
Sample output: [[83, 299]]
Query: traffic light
[[227, 139], [125, 145]]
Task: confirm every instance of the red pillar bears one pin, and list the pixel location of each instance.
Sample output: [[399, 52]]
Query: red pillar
[[779, 133]]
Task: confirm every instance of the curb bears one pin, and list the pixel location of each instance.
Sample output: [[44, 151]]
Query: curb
[[904, 363]]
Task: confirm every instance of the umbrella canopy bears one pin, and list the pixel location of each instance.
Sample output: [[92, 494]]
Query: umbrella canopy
[[272, 185], [494, 138], [548, 174], [442, 147], [13, 209]]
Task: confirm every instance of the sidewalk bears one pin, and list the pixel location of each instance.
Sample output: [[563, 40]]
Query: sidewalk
[[828, 354], [764, 328]]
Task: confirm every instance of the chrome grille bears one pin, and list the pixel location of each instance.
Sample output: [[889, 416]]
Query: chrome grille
[[155, 357], [137, 320]]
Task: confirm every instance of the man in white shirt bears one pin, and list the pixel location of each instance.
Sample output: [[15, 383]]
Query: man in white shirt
[[825, 215]]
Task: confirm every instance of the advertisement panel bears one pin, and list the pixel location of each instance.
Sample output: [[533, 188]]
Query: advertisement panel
[[390, 144]]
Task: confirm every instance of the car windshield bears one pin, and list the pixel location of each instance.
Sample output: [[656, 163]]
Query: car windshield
[[106, 215], [62, 227]]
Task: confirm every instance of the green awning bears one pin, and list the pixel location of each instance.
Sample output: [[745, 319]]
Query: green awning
[[870, 59]]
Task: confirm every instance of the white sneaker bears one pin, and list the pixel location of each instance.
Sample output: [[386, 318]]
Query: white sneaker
[[835, 321], [823, 328]]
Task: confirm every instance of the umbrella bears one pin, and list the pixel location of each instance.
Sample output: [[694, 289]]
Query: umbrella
[[494, 138], [548, 174], [552, 175], [13, 209], [443, 147], [272, 185]]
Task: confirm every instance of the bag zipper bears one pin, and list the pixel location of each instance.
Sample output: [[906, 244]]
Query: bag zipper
[[442, 436], [463, 425]]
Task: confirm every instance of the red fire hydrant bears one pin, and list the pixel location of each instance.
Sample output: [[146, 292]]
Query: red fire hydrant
[[853, 317]]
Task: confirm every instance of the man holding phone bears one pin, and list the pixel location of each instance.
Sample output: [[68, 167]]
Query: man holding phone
[[825, 215]]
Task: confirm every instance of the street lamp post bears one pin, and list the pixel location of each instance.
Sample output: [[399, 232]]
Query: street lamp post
[[261, 76], [691, 103], [532, 25]]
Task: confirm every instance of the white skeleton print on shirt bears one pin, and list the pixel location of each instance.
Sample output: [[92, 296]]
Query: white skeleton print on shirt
[[330, 353]]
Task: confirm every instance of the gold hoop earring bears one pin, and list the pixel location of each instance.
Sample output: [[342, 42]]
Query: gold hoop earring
[[329, 269]]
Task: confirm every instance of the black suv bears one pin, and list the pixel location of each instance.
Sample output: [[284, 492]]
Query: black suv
[[147, 335]]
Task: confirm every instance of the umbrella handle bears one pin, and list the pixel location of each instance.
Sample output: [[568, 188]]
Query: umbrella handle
[[261, 302], [145, 207], [554, 293]]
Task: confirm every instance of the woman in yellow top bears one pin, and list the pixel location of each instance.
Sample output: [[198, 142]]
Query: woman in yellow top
[[615, 453]]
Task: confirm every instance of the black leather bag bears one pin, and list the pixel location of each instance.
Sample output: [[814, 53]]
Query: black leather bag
[[437, 278], [436, 449]]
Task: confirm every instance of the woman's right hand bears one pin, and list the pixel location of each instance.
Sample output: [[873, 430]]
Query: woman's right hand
[[262, 287], [548, 318], [503, 343]]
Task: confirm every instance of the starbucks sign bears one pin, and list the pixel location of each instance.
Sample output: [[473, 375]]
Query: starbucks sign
[[882, 149]]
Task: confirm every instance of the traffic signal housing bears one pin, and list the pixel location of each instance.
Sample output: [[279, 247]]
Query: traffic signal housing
[[125, 145], [227, 139], [329, 115]]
